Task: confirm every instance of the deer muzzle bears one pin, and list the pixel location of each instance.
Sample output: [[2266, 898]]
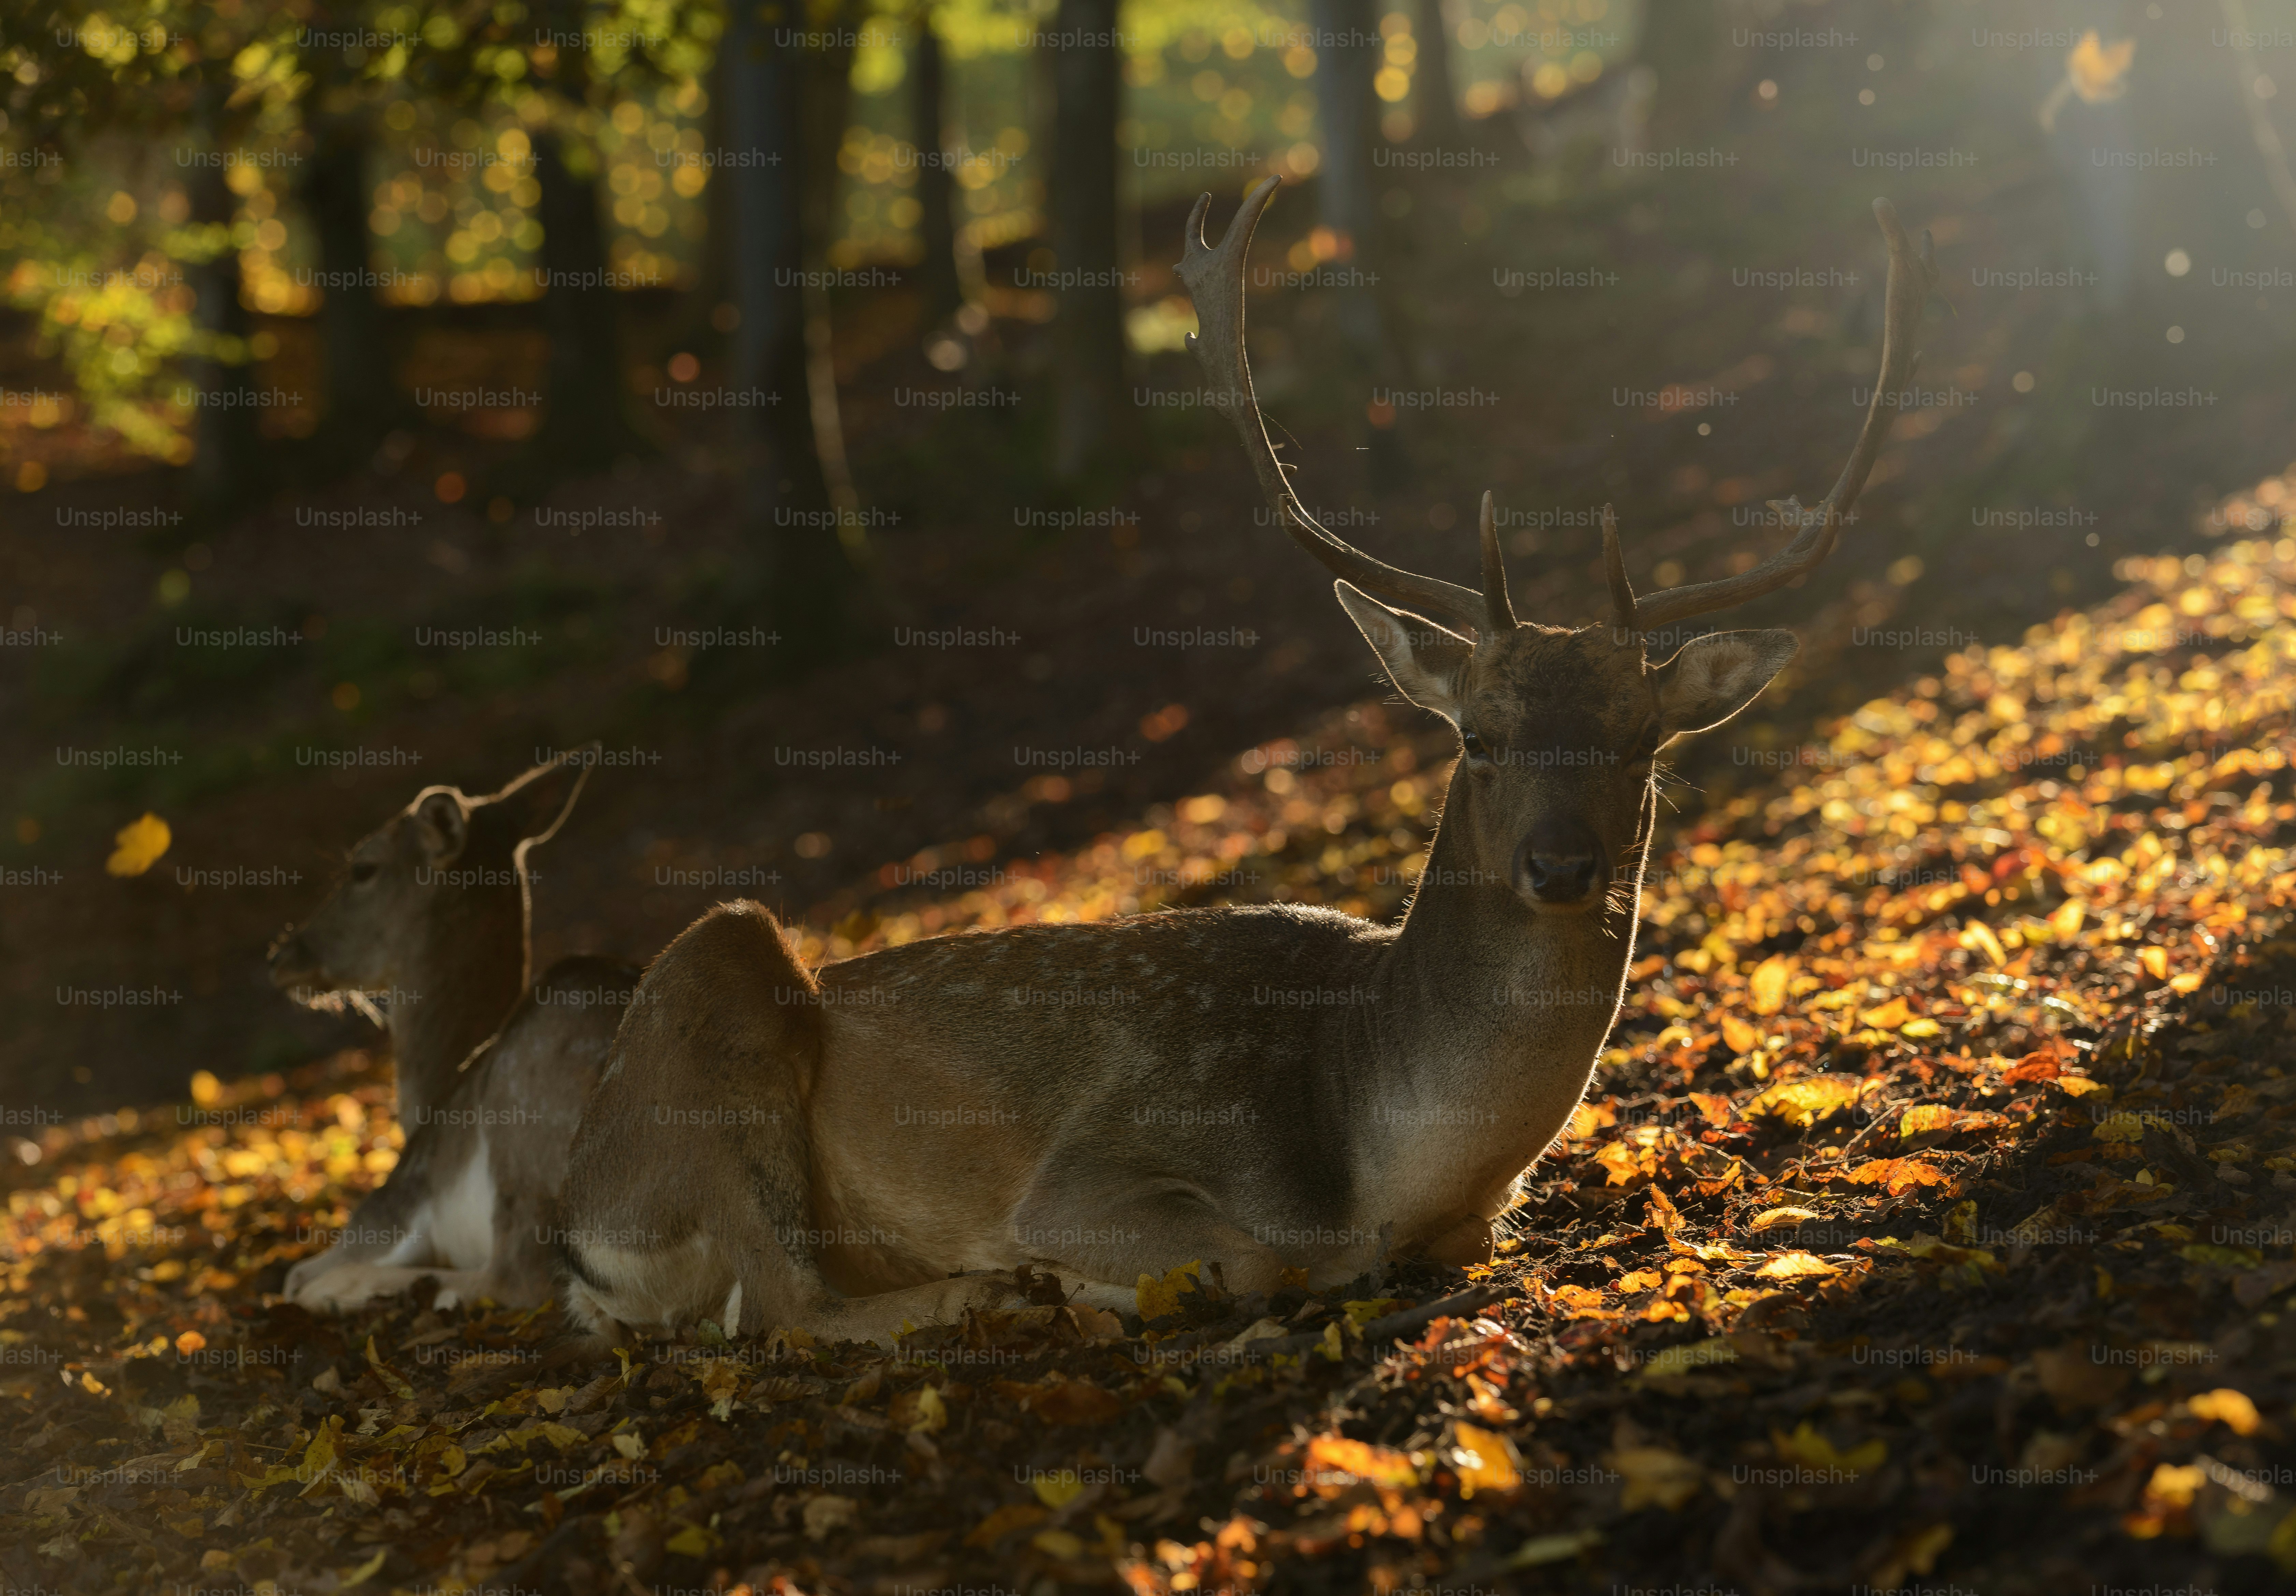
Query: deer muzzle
[[1560, 866]]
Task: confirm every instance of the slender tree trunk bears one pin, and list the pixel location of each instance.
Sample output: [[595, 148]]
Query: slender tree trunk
[[943, 294], [785, 497], [1089, 329], [1431, 85], [825, 109], [1348, 51], [226, 450], [361, 391], [1346, 60], [587, 427]]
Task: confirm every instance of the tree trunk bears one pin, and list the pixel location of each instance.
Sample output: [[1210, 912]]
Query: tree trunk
[[1348, 51], [943, 295], [1435, 94], [1089, 329], [362, 389], [1346, 60], [587, 427], [785, 497], [226, 450]]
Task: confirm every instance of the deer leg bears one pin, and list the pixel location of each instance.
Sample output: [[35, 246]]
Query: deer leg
[[354, 1285], [1111, 1237], [689, 1175], [391, 1225]]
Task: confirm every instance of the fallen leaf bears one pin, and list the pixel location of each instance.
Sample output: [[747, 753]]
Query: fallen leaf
[[1655, 1474], [1897, 1175], [1485, 1460], [1797, 1265], [2228, 1407], [138, 847], [1771, 1218], [1807, 1097]]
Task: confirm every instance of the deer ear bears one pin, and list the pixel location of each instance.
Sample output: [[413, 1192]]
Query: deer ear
[[1426, 662], [442, 825], [1714, 677], [538, 802]]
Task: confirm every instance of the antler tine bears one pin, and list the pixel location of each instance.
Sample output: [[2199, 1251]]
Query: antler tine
[[1622, 591], [1214, 277], [1497, 603], [1912, 276]]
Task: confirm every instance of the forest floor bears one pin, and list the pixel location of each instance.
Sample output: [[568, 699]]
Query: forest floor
[[1928, 1224]]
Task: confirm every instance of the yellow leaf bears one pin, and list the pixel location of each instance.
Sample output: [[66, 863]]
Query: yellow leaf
[[1767, 983], [1379, 1465], [1376, 1307], [1621, 1160], [932, 1413], [2066, 924], [1807, 1098], [140, 845], [1978, 936], [2119, 1127], [1697, 1355], [2096, 70], [1541, 1550], [1921, 1029], [1057, 1543], [1796, 1265], [2228, 1407], [1898, 1176], [2155, 961], [1486, 1461], [1654, 1474], [1889, 1016], [693, 1541], [629, 1444], [206, 1090], [1924, 1118], [1155, 1297], [2187, 981], [1771, 1218], [551, 1399], [1004, 1521], [1807, 1446], [366, 1570], [1058, 1489], [1738, 1036], [2082, 1086]]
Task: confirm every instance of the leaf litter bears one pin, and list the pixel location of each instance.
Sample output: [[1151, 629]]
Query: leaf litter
[[1930, 1218]]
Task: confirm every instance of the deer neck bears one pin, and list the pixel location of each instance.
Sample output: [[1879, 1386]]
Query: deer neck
[[1508, 997], [472, 973]]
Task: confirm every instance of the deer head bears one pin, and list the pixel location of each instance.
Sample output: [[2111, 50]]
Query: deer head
[[441, 886], [1559, 729]]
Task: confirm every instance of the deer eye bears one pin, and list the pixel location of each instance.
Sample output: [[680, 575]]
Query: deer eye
[[1473, 745], [363, 871]]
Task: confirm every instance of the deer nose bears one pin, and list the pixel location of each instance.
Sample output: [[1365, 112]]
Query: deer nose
[[1559, 865]]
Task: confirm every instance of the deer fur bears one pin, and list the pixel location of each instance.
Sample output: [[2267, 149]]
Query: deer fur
[[492, 1071]]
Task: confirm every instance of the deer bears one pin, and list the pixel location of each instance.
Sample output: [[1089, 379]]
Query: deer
[[1275, 1094], [492, 1066]]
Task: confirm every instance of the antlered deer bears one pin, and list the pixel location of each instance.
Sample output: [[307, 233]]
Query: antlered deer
[[1261, 1088], [492, 1075]]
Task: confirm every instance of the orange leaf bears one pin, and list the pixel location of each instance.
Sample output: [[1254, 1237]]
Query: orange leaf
[[1714, 1105], [1621, 1160], [1889, 1016], [1899, 1175], [2155, 961], [1742, 1038]]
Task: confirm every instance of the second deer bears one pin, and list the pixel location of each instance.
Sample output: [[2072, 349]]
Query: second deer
[[493, 1069]]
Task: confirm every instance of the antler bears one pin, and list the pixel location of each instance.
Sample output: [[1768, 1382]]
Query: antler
[[1214, 275], [1913, 276]]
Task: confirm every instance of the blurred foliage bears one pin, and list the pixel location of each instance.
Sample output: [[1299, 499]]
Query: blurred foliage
[[102, 116]]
